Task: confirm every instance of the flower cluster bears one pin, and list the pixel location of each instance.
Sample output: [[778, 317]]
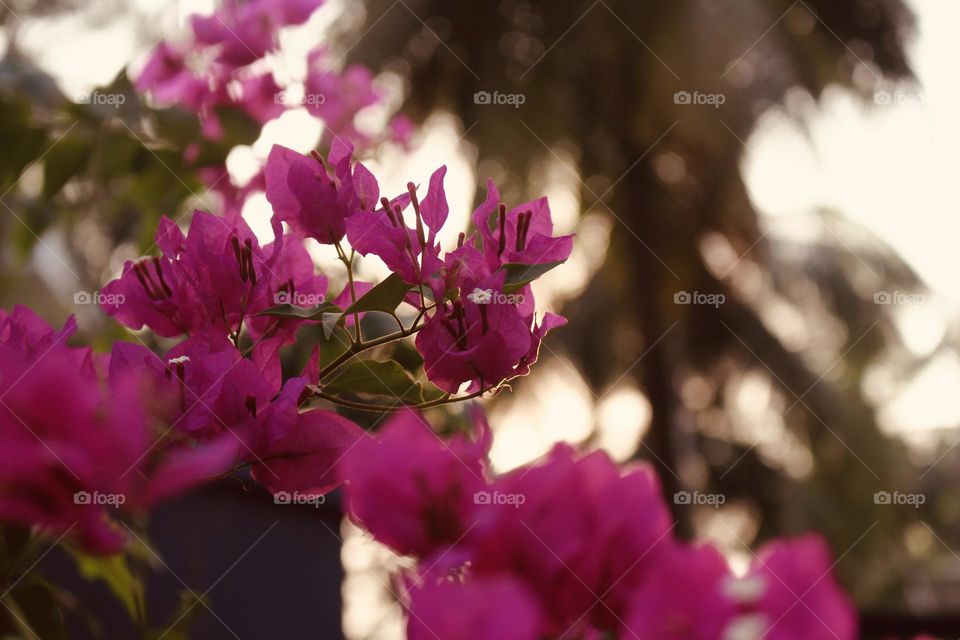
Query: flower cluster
[[570, 547], [465, 339], [224, 62], [71, 450], [142, 426]]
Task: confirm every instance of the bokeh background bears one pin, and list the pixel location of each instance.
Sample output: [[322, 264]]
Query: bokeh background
[[762, 295]]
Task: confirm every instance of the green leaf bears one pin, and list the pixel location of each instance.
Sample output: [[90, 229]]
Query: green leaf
[[519, 275], [385, 297], [302, 313], [39, 608], [115, 572], [182, 618], [238, 127], [65, 159], [310, 338], [13, 542], [385, 379]]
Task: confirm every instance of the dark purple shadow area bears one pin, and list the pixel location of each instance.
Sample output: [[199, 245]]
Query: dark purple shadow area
[[270, 570]]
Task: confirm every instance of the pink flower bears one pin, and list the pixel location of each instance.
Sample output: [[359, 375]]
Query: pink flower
[[244, 33], [259, 97], [577, 531], [339, 95], [410, 252], [306, 197], [522, 235], [474, 339], [681, 596], [497, 608], [218, 390], [411, 490], [71, 454], [224, 263], [798, 596], [167, 77], [25, 331], [216, 276], [300, 451], [155, 292]]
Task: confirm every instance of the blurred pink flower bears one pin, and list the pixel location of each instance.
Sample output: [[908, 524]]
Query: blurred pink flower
[[411, 490], [499, 608]]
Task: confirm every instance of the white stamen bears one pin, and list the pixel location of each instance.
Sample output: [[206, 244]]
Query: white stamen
[[746, 590], [749, 627], [179, 360]]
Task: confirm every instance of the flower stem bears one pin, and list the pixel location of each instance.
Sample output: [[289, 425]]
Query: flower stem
[[447, 399]]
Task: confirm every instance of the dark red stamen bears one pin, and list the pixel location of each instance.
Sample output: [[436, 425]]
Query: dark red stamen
[[240, 256], [412, 190], [483, 317], [163, 283], [248, 254], [523, 226], [460, 239], [181, 372], [460, 316], [143, 276], [503, 225]]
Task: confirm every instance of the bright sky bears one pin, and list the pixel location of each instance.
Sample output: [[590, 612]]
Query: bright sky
[[887, 167], [891, 169]]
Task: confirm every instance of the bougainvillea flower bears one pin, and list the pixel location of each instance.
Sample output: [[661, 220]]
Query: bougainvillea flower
[[244, 33], [798, 596], [384, 233], [681, 596], [573, 528], [258, 97], [289, 276], [155, 292], [224, 262], [218, 390], [474, 338], [23, 328], [307, 198], [411, 490], [522, 235], [550, 322], [168, 79], [215, 276], [337, 96], [409, 252], [300, 451], [71, 454], [496, 608]]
